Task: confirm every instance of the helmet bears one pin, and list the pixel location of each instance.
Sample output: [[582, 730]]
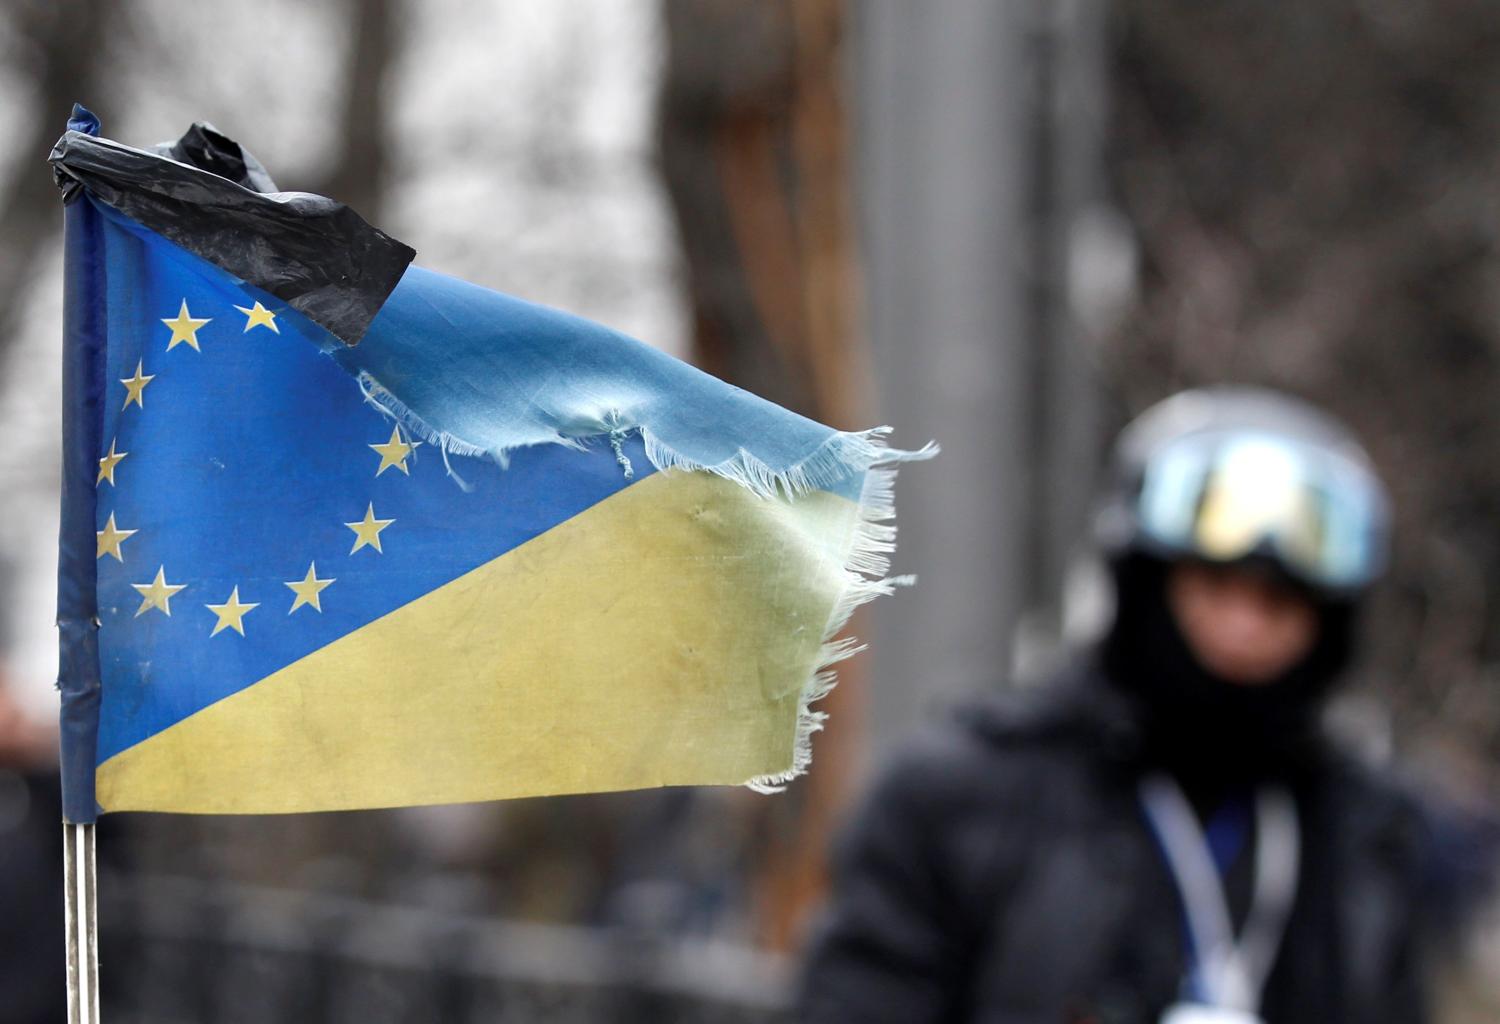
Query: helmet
[[1230, 474]]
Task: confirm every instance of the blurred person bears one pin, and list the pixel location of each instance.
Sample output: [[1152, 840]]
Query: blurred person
[[32, 967], [1166, 833]]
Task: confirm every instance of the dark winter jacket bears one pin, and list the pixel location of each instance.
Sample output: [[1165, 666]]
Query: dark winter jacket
[[1001, 872]]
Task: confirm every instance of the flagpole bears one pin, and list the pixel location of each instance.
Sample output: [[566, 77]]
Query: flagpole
[[81, 909]]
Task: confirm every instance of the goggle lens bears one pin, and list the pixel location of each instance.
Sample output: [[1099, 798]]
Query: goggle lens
[[1225, 498]]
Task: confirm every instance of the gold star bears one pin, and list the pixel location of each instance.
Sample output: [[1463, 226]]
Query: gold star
[[110, 539], [185, 328], [368, 530], [135, 387], [393, 453], [231, 613], [309, 587], [259, 316], [158, 593], [107, 465]]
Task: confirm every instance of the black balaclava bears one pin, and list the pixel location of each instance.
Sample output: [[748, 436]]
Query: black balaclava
[[1212, 734]]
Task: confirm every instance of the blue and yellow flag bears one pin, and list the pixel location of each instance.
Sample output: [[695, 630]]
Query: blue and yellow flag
[[341, 532]]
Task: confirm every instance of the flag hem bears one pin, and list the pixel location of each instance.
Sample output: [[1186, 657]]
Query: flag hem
[[84, 336]]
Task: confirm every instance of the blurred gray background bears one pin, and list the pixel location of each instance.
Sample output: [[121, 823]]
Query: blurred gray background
[[1003, 224]]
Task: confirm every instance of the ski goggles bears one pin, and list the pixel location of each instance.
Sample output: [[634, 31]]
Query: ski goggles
[[1223, 497]]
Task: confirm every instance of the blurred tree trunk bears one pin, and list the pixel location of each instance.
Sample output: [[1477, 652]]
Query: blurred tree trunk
[[360, 174], [64, 51], [755, 153]]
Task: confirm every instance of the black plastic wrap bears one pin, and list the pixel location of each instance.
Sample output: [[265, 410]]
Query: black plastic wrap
[[205, 147], [206, 195]]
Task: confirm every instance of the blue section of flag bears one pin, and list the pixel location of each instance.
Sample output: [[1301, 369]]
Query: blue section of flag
[[245, 458], [496, 372]]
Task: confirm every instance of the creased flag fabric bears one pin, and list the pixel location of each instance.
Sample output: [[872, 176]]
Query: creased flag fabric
[[342, 532]]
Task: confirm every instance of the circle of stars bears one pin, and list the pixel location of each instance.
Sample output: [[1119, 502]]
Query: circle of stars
[[157, 594]]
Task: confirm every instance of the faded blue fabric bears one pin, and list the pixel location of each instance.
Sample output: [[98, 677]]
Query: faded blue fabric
[[481, 371]]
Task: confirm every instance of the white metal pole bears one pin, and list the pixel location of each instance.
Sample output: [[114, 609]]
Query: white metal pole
[[70, 909], [81, 906]]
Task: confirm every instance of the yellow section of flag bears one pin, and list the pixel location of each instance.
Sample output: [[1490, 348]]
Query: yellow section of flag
[[661, 637]]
